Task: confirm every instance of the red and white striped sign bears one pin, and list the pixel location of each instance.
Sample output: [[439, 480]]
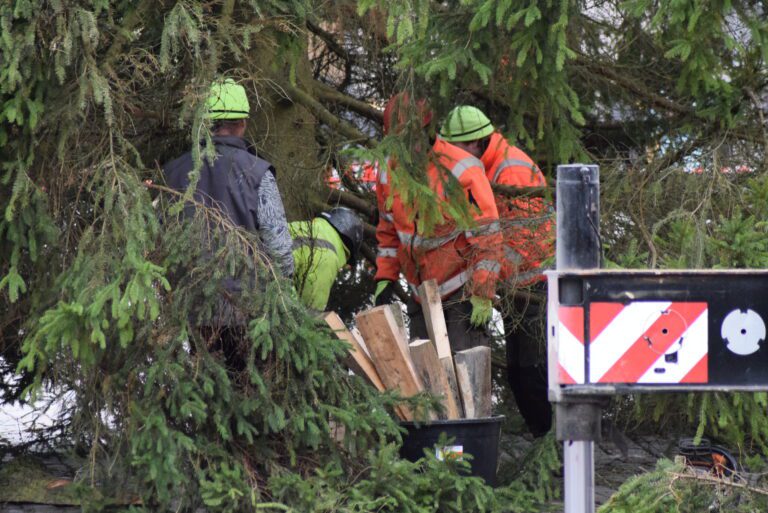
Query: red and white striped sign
[[570, 349], [648, 342]]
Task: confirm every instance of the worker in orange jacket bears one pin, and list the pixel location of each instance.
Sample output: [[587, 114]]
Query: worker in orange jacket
[[464, 262], [528, 243]]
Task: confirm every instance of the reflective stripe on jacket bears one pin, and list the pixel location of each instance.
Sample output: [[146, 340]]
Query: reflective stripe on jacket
[[526, 222], [318, 254], [452, 256]]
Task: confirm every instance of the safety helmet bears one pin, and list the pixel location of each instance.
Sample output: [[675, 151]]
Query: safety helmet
[[466, 123], [346, 222], [227, 100], [396, 111]]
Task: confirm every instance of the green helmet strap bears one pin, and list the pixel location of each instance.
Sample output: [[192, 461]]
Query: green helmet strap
[[473, 130]]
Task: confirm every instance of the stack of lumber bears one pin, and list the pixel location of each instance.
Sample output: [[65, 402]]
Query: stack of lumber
[[381, 354]]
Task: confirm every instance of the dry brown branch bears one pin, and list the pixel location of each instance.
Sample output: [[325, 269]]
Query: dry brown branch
[[718, 481]]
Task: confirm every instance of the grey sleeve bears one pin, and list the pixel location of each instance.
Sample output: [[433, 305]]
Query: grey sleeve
[[273, 227]]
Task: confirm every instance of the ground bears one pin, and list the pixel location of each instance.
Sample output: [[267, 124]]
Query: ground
[[613, 465]]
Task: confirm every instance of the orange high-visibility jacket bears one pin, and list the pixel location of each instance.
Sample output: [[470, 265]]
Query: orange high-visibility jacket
[[451, 256], [332, 178], [369, 175], [526, 223]]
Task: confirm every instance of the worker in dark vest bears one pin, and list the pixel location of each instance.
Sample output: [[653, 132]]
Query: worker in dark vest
[[321, 247], [238, 182], [242, 187]]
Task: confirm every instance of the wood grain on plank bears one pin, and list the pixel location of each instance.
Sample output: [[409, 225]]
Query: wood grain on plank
[[432, 307], [383, 337], [433, 376], [473, 373], [358, 360]]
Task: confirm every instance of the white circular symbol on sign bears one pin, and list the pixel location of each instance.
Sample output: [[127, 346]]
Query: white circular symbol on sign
[[743, 331]]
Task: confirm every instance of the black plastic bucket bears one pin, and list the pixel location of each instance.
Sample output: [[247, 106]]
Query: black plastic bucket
[[478, 437]]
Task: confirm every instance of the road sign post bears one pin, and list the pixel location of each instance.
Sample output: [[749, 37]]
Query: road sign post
[[577, 419]]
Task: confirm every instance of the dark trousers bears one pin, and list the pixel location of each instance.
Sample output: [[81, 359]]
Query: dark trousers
[[461, 333], [525, 329]]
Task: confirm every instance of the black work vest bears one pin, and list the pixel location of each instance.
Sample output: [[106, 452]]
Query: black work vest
[[230, 183]]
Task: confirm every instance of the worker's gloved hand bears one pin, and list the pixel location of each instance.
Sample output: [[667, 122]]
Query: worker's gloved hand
[[482, 310], [385, 290]]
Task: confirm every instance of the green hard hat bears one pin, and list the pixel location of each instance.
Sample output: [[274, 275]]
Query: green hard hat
[[227, 101], [466, 123]]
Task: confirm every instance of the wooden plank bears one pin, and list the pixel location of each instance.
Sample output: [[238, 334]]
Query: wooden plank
[[450, 374], [473, 372], [432, 307], [433, 377], [397, 312], [358, 360], [381, 334], [356, 333]]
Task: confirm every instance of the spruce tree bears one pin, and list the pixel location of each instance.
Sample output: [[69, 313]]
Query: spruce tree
[[100, 282]]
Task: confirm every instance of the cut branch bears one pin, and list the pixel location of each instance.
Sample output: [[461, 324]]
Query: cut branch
[[719, 482]]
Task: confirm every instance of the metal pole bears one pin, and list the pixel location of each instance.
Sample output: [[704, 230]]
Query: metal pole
[[579, 467], [578, 247], [578, 217]]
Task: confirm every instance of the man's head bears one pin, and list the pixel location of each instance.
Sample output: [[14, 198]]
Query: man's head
[[349, 227], [228, 108], [468, 128]]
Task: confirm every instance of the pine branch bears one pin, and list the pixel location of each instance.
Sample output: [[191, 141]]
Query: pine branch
[[531, 192], [326, 116], [350, 200], [330, 42], [759, 108], [328, 94], [125, 32], [633, 85]]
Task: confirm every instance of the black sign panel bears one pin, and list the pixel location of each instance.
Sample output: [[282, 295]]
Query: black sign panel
[[671, 329]]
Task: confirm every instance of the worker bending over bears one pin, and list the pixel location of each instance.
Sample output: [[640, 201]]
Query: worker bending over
[[321, 247], [528, 242], [464, 262]]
